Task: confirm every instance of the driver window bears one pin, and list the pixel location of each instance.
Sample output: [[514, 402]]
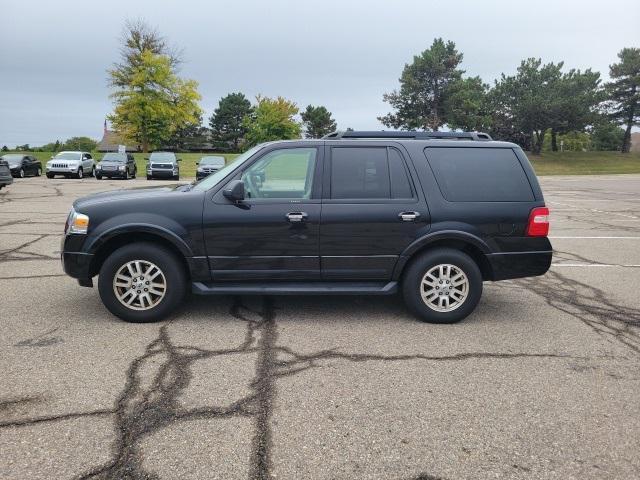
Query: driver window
[[286, 173]]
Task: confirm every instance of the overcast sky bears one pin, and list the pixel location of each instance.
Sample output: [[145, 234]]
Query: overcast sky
[[341, 54]]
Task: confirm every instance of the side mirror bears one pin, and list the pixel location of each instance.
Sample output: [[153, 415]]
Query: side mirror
[[179, 159], [146, 158], [234, 191]]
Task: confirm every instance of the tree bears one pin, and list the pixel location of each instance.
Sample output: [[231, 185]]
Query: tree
[[607, 135], [467, 105], [227, 127], [154, 103], [576, 99], [317, 122], [624, 92], [190, 136], [79, 143], [425, 88], [139, 37], [272, 119], [524, 103], [5, 148]]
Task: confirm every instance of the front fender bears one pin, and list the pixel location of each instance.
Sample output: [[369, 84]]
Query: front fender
[[154, 224]]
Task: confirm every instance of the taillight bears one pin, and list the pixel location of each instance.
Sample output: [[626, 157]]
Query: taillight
[[538, 225]]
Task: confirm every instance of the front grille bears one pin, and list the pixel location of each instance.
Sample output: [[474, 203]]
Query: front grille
[[109, 167], [162, 165], [59, 165]]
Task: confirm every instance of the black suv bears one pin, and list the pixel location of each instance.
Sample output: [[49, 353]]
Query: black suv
[[432, 215], [117, 165]]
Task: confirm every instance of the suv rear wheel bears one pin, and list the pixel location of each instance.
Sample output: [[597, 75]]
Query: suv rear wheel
[[142, 282], [442, 286]]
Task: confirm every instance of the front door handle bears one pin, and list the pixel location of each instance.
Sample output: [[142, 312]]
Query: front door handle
[[297, 217], [409, 216]]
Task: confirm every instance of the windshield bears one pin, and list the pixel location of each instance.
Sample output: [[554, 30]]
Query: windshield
[[214, 178], [68, 156], [12, 158], [162, 157], [115, 157], [212, 161]]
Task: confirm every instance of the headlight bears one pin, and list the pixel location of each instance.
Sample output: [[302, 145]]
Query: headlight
[[98, 166], [122, 168], [200, 169], [77, 223]]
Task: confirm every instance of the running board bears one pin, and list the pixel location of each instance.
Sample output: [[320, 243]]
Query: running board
[[294, 288]]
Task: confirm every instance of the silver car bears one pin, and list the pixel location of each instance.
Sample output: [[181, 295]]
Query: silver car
[[71, 164]]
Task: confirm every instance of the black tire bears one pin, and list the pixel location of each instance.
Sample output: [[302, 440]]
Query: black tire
[[79, 173], [50, 175], [149, 177], [165, 260], [98, 176], [21, 173], [176, 177], [412, 285], [38, 172], [135, 172], [126, 174]]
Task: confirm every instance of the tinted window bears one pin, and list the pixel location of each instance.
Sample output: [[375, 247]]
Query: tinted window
[[162, 157], [400, 186], [286, 173], [479, 174], [359, 173]]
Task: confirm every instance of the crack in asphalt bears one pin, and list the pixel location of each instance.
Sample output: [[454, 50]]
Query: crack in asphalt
[[43, 340], [590, 305], [144, 407]]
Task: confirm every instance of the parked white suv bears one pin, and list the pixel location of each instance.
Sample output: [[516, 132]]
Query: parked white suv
[[71, 164]]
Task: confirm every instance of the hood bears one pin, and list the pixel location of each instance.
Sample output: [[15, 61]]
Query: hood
[[128, 194]]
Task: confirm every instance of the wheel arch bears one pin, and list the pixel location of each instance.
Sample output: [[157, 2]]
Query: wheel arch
[[463, 241], [113, 241]]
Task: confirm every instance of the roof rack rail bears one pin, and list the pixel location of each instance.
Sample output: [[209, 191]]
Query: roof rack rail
[[477, 136]]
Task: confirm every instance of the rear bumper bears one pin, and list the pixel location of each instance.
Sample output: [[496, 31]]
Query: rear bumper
[[519, 264]]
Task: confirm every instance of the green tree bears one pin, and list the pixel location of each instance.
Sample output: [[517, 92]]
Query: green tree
[[5, 148], [155, 102], [317, 122], [425, 85], [524, 103], [272, 119], [624, 92], [467, 105], [139, 37], [575, 104], [227, 126], [607, 135], [79, 143], [190, 136]]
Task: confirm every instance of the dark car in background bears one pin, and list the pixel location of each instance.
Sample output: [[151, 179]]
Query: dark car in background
[[5, 174], [116, 165], [429, 214], [163, 165], [23, 165], [208, 165]]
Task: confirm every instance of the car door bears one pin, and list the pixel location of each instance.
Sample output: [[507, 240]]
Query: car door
[[87, 162], [371, 211], [273, 233]]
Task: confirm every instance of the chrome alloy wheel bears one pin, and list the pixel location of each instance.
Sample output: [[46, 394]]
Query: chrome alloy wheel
[[444, 288], [139, 285]]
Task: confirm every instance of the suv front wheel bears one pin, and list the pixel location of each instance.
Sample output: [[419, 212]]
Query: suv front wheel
[[442, 286], [142, 282]]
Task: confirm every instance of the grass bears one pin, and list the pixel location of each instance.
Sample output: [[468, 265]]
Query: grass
[[585, 163], [187, 165], [549, 163]]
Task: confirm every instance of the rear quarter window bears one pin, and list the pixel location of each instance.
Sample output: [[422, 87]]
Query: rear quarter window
[[479, 174]]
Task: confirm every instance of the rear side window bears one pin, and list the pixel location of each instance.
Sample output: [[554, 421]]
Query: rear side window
[[368, 173], [479, 174]]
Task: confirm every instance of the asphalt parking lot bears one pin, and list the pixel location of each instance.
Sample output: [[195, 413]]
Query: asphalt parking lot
[[542, 381]]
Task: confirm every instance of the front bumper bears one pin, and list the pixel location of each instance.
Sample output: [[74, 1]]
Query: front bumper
[[111, 173], [62, 171], [77, 265], [162, 173]]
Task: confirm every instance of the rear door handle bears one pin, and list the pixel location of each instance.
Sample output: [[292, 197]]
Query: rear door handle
[[408, 216], [297, 217]]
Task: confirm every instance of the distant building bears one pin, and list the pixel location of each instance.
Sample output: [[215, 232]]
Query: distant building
[[111, 140], [635, 142]]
